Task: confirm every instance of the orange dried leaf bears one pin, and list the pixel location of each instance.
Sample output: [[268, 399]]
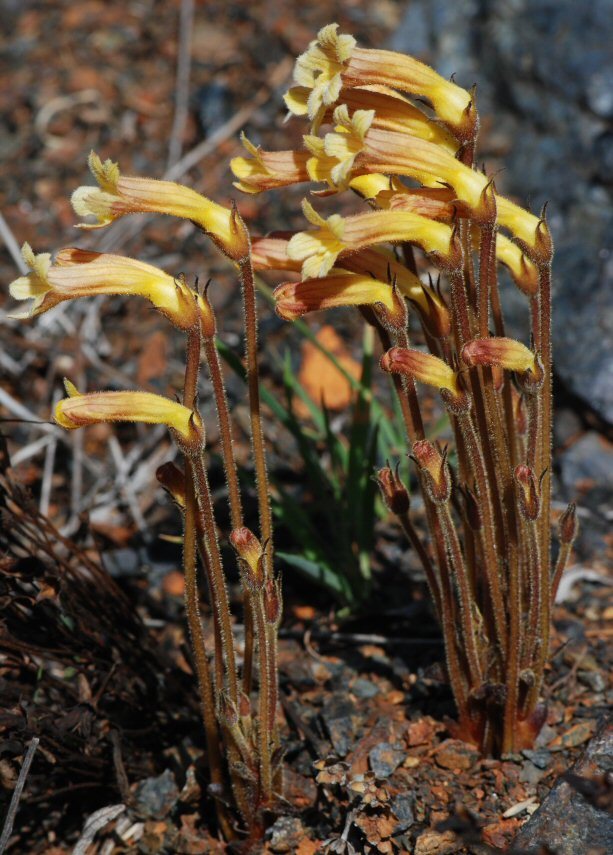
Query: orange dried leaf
[[320, 378]]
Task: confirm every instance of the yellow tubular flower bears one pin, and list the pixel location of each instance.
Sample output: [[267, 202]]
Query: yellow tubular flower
[[81, 273], [393, 112], [264, 170], [333, 157], [319, 248], [371, 186], [333, 61], [81, 410], [423, 367], [524, 273], [504, 352], [117, 195], [341, 288], [438, 204], [270, 253]]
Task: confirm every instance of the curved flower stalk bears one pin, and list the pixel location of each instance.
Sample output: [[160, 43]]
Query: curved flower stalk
[[489, 562]]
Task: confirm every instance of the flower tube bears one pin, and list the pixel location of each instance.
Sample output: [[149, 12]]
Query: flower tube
[[319, 248], [81, 273], [333, 60], [80, 410], [341, 288], [423, 367], [118, 195]]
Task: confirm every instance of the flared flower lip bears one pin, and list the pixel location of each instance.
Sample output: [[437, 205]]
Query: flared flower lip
[[118, 195], [84, 273], [318, 249]]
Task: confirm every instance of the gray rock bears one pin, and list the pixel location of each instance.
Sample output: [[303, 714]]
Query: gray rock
[[402, 808], [385, 759], [574, 818], [588, 460], [340, 719], [541, 757], [156, 797]]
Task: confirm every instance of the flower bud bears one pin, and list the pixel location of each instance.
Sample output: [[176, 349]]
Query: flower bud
[[473, 511], [393, 492], [568, 525], [421, 366], [251, 554], [172, 480], [435, 469], [79, 410], [228, 714], [528, 492], [505, 353], [434, 313], [272, 602]]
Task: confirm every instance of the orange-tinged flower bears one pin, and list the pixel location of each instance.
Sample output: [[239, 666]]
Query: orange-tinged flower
[[82, 273], [390, 153], [435, 469], [341, 288], [421, 366], [249, 550], [319, 248], [80, 410], [504, 352], [333, 60], [528, 492], [270, 253], [523, 271], [265, 170], [436, 203], [117, 195]]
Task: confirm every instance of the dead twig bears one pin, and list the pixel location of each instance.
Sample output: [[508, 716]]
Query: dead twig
[[184, 62], [94, 824], [13, 247], [14, 805]]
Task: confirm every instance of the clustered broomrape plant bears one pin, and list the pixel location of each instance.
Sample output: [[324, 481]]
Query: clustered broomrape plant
[[489, 562], [242, 739]]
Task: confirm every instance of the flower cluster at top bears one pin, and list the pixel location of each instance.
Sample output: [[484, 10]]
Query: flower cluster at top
[[366, 135]]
